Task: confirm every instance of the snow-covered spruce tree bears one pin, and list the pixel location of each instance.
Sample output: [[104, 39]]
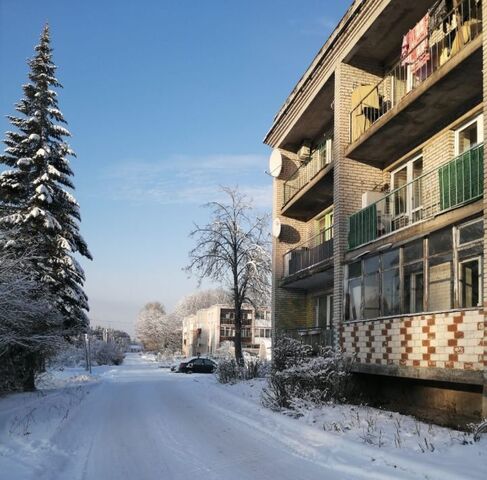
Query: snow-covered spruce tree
[[35, 193]]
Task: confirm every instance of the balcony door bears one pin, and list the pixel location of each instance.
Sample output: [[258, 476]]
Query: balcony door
[[323, 311], [407, 193], [325, 226]]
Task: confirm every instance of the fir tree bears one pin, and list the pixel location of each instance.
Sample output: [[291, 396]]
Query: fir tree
[[38, 208]]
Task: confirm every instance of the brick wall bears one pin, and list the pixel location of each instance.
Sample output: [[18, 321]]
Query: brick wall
[[288, 307], [452, 340]]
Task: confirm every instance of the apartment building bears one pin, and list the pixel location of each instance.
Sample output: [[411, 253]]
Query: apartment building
[[206, 331], [378, 203]]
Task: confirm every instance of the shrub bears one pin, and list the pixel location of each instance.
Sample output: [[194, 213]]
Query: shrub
[[479, 429], [299, 380], [228, 370], [106, 353], [74, 354]]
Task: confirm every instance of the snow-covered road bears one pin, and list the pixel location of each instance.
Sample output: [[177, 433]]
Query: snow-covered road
[[141, 422]]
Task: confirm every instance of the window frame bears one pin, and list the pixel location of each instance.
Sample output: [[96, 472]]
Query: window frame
[[478, 259], [455, 286], [410, 209], [479, 120]]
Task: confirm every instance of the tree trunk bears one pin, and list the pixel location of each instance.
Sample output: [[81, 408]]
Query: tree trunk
[[238, 335], [30, 363]]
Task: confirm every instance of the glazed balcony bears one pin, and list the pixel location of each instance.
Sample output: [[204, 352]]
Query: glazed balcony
[[451, 185], [315, 252], [437, 80], [310, 189]]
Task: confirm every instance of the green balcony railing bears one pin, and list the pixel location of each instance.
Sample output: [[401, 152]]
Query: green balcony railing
[[448, 186], [462, 179]]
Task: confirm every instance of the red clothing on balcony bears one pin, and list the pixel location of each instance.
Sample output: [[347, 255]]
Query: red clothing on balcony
[[415, 45]]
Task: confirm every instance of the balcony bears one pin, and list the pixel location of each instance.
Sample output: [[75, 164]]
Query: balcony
[[316, 337], [454, 184], [310, 189], [312, 253], [436, 81]]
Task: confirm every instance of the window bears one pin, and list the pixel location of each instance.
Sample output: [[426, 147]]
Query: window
[[390, 283], [394, 282], [469, 135], [440, 261], [413, 277], [354, 291], [371, 288], [324, 226], [470, 283], [407, 198], [323, 309], [470, 249], [325, 151], [470, 232]]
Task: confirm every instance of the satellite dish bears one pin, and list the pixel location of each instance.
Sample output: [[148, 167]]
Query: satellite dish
[[276, 228], [275, 163]]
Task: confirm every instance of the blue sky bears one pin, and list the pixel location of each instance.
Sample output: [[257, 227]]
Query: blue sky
[[165, 100]]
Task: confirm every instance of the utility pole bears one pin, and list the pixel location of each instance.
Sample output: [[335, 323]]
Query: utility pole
[[87, 355]]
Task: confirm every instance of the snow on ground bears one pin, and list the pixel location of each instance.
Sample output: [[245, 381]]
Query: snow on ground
[[138, 421]]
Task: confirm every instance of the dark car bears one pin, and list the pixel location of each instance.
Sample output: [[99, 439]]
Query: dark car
[[197, 365]]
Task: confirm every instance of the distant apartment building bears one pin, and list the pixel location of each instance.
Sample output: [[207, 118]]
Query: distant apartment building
[[378, 203], [205, 332]]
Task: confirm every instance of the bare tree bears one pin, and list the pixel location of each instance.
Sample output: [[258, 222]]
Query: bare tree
[[195, 301], [157, 331], [233, 249]]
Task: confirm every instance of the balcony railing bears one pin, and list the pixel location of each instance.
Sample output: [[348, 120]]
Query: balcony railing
[[310, 253], [447, 38], [318, 160], [451, 185], [316, 337]]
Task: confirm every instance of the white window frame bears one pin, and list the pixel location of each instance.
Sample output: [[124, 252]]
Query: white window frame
[[479, 119], [409, 193]]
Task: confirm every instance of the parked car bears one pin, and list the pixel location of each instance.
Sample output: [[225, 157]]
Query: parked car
[[197, 365]]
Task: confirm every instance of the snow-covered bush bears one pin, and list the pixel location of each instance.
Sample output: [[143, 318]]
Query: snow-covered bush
[[289, 352], [73, 354], [229, 371], [479, 429], [299, 380], [104, 353]]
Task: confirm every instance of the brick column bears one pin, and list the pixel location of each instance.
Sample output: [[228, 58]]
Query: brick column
[[351, 178], [484, 53]]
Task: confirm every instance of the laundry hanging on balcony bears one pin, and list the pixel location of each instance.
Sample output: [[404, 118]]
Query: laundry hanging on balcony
[[439, 15], [415, 45], [365, 109]]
